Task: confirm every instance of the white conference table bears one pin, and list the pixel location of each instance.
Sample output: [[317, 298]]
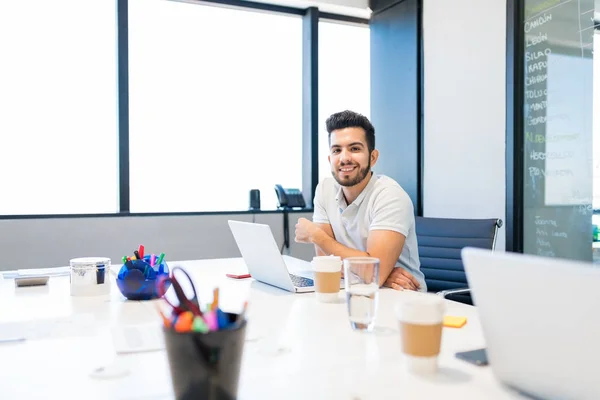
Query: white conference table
[[296, 348]]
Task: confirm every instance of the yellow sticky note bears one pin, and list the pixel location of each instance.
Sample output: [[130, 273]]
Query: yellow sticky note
[[454, 322]]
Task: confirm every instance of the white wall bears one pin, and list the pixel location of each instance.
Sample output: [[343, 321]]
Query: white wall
[[464, 107], [50, 242]]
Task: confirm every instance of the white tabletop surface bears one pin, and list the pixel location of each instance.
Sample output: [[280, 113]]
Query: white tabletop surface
[[296, 348]]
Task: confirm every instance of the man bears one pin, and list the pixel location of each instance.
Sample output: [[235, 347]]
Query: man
[[358, 213]]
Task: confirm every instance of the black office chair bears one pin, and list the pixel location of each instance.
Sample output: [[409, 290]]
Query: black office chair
[[440, 242]]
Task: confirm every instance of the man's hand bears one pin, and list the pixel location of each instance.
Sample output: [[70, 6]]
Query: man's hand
[[401, 279], [305, 230]]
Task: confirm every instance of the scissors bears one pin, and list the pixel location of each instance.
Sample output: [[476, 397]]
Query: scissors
[[185, 303]]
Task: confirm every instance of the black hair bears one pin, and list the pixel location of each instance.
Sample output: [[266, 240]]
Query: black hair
[[350, 119]]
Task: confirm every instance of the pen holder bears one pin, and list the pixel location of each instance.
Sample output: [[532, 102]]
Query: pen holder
[[205, 365], [137, 279]]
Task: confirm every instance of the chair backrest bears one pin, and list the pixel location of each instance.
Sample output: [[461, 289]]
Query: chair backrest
[[440, 242]]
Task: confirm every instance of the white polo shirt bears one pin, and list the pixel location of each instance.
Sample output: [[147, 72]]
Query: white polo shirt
[[382, 205]]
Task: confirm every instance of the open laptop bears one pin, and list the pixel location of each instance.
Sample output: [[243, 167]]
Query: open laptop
[[541, 321], [266, 264]]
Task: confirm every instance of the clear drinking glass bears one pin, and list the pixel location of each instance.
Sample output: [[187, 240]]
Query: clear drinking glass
[[361, 279]]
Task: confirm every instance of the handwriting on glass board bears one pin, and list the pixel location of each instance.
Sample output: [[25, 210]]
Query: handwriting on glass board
[[542, 243], [534, 55], [540, 105], [550, 155], [533, 80], [536, 39], [537, 22], [535, 171], [532, 9], [537, 66], [546, 253], [534, 94], [539, 138], [537, 120], [540, 221]]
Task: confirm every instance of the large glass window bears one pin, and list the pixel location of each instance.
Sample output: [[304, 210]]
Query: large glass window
[[344, 77], [58, 130], [215, 106]]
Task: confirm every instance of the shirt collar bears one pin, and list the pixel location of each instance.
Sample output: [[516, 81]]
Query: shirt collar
[[341, 200], [339, 197]]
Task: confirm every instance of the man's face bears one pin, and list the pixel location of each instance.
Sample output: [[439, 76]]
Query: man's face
[[349, 156]]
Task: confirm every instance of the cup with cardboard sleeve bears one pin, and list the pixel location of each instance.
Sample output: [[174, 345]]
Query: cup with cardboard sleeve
[[328, 275], [421, 319]]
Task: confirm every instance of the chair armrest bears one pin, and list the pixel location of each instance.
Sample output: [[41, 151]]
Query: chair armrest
[[449, 292]]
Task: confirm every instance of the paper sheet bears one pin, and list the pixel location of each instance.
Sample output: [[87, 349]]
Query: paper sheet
[[51, 328], [58, 271], [137, 338]]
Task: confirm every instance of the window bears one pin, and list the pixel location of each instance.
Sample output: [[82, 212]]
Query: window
[[344, 77], [215, 106], [58, 129]]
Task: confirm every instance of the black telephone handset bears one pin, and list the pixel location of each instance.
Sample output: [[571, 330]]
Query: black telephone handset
[[289, 197]]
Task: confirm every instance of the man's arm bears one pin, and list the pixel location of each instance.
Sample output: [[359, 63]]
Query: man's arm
[[329, 231], [320, 215], [402, 279], [383, 244]]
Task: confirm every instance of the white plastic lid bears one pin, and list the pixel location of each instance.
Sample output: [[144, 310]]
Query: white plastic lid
[[421, 309], [327, 263], [89, 261]]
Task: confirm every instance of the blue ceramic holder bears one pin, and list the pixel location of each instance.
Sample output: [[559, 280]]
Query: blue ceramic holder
[[137, 279]]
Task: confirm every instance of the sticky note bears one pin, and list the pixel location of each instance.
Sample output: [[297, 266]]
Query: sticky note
[[454, 322]]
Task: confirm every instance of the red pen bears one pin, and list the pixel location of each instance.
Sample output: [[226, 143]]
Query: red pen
[[141, 251], [238, 276]]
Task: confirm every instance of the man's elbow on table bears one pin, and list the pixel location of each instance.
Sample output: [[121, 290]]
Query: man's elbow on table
[[384, 273]]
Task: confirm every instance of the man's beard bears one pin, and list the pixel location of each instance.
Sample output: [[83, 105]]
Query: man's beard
[[362, 174]]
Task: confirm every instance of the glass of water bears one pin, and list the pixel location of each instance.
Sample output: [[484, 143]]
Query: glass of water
[[361, 279]]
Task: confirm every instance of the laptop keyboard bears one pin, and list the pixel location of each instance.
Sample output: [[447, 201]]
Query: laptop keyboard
[[300, 281]]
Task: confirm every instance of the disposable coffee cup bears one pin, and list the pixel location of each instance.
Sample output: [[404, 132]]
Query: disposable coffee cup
[[421, 319], [328, 273]]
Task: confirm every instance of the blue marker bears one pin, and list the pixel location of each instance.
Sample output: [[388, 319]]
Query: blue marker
[[222, 319]]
